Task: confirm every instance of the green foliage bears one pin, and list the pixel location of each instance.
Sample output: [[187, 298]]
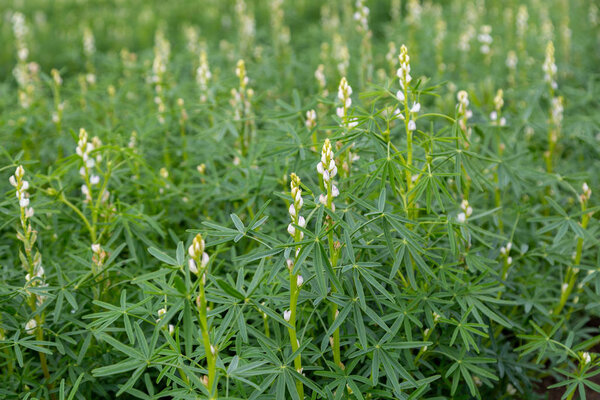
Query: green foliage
[[147, 254]]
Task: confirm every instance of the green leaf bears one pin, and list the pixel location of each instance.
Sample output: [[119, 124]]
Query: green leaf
[[162, 256]]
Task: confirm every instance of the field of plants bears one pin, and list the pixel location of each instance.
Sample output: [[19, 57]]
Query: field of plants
[[271, 199]]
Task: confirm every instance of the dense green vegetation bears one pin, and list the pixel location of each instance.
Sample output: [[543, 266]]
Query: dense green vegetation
[[284, 200]]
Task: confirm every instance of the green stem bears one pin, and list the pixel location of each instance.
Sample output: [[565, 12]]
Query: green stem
[[571, 276], [210, 358]]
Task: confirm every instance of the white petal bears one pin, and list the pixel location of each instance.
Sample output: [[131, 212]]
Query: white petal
[[335, 192], [291, 230], [320, 168], [192, 266], [205, 259]]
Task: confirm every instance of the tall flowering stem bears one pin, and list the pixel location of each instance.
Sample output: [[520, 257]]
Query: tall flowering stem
[[572, 272], [463, 116], [158, 77], [31, 262], [328, 170], [58, 105], [296, 280], [344, 95], [499, 121], [203, 76], [242, 106], [361, 16], [198, 264], [410, 113], [556, 110], [25, 73]]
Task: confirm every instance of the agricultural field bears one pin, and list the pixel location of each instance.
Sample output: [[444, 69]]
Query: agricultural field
[[270, 199]]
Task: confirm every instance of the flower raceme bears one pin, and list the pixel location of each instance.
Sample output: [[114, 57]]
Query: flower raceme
[[311, 119], [467, 211], [328, 170], [404, 69], [295, 207], [198, 255], [21, 187], [549, 66], [344, 93]]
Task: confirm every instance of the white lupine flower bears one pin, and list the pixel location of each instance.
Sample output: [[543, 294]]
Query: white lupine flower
[[400, 95], [295, 207], [196, 249], [171, 329], [485, 38], [415, 108], [556, 115], [467, 211], [291, 230], [511, 390], [299, 280], [344, 93], [564, 287], [203, 75], [301, 221], [404, 69], [289, 263], [335, 192], [586, 192], [549, 66], [31, 326], [509, 260], [412, 125], [327, 168], [522, 18], [287, 315], [94, 179], [192, 266], [511, 60], [96, 248], [361, 15], [161, 312], [205, 260], [89, 45], [586, 358], [213, 350], [320, 76], [311, 119]]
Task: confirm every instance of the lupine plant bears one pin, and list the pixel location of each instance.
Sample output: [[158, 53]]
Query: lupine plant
[[300, 199]]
